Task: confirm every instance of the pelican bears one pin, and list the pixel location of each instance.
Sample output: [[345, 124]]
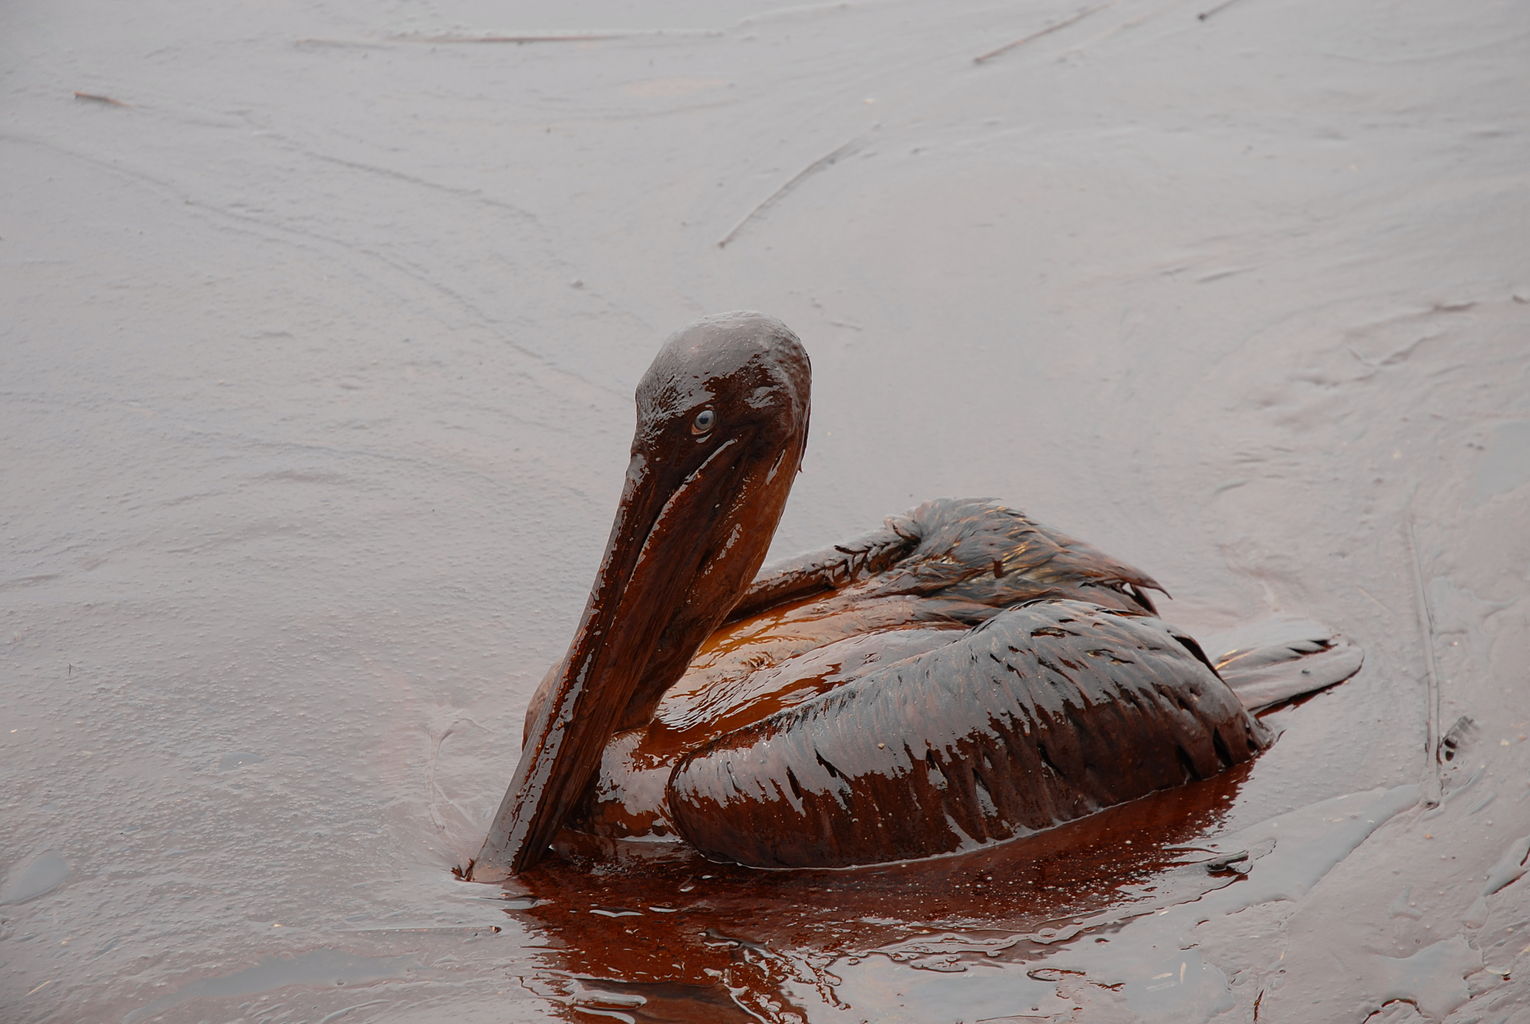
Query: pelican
[[958, 677]]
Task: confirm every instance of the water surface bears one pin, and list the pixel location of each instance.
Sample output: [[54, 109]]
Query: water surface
[[316, 379]]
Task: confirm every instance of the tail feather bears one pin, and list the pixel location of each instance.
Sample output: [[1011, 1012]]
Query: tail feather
[[1277, 661]]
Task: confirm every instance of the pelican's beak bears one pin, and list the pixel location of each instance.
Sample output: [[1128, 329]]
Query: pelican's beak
[[680, 553], [697, 513]]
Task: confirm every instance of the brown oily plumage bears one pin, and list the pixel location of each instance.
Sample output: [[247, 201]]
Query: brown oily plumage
[[1043, 714], [959, 676]]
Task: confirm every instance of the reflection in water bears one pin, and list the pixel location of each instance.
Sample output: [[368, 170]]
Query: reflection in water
[[651, 932]]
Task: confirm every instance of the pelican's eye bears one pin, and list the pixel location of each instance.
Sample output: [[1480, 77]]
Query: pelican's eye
[[703, 423]]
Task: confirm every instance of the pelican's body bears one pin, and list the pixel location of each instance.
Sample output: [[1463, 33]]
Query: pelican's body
[[960, 676]]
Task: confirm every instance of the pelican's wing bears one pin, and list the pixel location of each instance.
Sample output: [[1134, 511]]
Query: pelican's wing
[[832, 568], [1045, 713], [974, 553], [981, 551]]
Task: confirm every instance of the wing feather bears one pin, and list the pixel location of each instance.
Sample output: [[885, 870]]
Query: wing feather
[[1044, 713]]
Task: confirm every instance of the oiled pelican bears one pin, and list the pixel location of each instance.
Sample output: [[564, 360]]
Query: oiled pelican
[[960, 676]]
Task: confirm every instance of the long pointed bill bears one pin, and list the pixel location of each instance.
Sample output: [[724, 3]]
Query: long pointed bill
[[642, 578]]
